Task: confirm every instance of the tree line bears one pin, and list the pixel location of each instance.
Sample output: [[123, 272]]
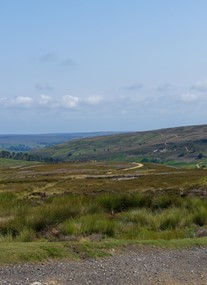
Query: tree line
[[26, 156]]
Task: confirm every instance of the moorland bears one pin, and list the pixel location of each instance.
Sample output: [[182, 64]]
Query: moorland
[[104, 192], [85, 209], [181, 146]]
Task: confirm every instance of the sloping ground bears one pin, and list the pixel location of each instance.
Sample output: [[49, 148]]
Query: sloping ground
[[27, 142], [183, 144], [140, 266]]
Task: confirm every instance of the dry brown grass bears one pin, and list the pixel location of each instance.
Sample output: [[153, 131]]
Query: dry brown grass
[[94, 177]]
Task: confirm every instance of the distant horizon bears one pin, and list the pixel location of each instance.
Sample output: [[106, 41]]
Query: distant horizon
[[91, 132]]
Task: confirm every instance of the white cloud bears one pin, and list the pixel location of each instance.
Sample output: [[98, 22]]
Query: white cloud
[[193, 97], [200, 86], [45, 100], [3, 102], [3, 99], [93, 100], [22, 101], [70, 101]]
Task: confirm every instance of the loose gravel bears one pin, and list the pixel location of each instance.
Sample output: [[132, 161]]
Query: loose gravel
[[140, 266]]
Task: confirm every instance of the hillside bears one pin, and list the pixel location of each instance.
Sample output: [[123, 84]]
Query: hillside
[[173, 145], [13, 142]]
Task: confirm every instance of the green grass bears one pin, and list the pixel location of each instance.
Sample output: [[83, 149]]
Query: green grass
[[88, 225], [186, 165], [5, 162], [20, 252], [123, 216], [27, 252]]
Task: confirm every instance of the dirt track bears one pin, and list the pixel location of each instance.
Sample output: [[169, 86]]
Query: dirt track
[[140, 266], [137, 165]]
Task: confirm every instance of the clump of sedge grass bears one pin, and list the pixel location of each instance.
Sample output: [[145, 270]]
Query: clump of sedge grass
[[88, 225], [124, 215]]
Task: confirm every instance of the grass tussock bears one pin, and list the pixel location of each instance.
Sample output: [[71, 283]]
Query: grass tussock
[[125, 216], [88, 225]]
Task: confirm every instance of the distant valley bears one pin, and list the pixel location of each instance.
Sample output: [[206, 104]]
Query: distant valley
[[28, 142]]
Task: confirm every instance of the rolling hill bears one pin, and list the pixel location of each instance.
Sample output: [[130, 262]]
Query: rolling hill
[[28, 142], [172, 145]]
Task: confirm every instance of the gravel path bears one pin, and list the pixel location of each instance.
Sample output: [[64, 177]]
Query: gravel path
[[140, 266]]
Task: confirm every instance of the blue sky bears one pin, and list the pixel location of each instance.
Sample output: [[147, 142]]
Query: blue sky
[[122, 65]]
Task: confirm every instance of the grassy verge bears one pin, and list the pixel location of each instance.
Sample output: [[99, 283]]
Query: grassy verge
[[20, 252]]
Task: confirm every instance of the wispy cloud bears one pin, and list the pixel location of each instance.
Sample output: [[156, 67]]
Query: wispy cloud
[[3, 99], [68, 62], [189, 97], [193, 97], [74, 102], [196, 94], [133, 87], [93, 100], [200, 86], [165, 87], [55, 59], [43, 86], [48, 57]]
